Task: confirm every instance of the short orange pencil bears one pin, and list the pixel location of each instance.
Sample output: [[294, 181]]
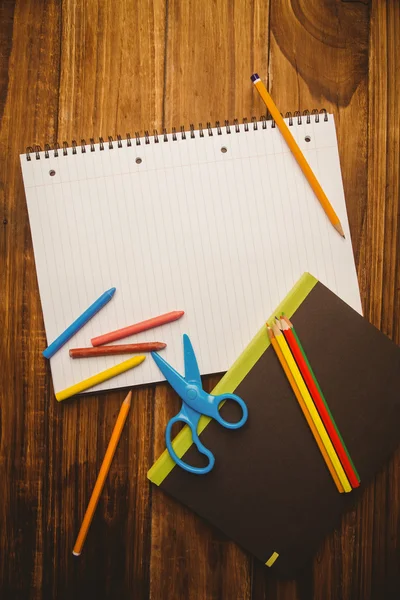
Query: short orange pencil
[[105, 467], [304, 409], [297, 153], [116, 349], [137, 328]]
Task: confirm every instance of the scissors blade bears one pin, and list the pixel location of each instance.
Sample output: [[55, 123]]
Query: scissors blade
[[192, 373], [173, 377]]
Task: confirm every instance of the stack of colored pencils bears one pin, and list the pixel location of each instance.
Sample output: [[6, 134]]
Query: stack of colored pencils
[[312, 402]]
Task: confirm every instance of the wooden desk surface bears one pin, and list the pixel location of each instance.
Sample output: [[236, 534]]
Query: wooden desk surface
[[72, 70]]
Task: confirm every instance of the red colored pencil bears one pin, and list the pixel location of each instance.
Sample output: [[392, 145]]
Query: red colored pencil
[[319, 403], [116, 349], [137, 328]]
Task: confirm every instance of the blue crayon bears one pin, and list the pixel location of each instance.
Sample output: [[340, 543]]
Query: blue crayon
[[80, 322]]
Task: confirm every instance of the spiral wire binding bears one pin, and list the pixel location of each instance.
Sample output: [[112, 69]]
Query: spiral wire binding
[[254, 124]]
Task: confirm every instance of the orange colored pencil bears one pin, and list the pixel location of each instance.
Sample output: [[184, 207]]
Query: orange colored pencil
[[116, 349], [137, 328], [303, 407], [105, 467], [297, 153]]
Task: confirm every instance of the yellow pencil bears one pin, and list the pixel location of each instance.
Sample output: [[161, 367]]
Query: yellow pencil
[[304, 409], [100, 377], [311, 408], [101, 478], [297, 153]]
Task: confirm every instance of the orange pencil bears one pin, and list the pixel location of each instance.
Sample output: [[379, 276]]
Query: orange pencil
[[137, 328], [116, 349], [303, 407], [105, 467], [297, 153]]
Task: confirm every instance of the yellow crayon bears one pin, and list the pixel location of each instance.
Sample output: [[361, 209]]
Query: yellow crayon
[[100, 377]]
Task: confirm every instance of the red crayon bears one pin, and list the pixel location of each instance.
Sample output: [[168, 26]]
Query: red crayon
[[137, 328], [116, 349]]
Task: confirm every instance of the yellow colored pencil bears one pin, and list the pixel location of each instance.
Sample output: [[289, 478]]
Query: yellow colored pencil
[[100, 377], [297, 153], [304, 409], [101, 478], [311, 408]]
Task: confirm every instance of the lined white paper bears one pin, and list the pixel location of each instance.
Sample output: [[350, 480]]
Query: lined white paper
[[221, 235]]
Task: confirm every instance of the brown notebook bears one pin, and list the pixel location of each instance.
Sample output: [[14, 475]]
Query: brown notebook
[[270, 490]]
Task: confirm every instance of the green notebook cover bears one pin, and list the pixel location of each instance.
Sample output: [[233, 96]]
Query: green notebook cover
[[270, 489]]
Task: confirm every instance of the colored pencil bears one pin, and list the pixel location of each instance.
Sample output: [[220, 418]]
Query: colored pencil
[[79, 323], [297, 153], [137, 328], [101, 478], [99, 377], [319, 400], [116, 349], [303, 407], [311, 408]]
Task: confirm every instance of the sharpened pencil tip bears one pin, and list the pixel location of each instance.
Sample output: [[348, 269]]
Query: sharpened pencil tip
[[339, 228], [287, 321], [276, 330], [128, 399]]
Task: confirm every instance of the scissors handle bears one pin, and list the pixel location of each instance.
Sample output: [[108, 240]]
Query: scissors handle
[[196, 440], [216, 414]]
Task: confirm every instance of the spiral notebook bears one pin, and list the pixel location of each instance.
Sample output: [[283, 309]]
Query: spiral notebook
[[219, 222]]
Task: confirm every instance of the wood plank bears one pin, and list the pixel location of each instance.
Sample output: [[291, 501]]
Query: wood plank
[[319, 59], [379, 574], [112, 68], [211, 51], [111, 82], [29, 111]]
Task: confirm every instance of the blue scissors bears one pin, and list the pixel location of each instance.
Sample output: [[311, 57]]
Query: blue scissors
[[195, 402]]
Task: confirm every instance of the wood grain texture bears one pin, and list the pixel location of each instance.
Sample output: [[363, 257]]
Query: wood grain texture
[[72, 70]]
